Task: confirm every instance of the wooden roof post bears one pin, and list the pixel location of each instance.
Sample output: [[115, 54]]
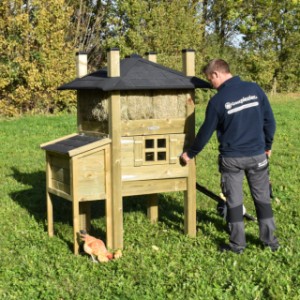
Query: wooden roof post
[[82, 211], [152, 203], [81, 70], [151, 56], [81, 64], [113, 62], [115, 208], [190, 213], [188, 62]]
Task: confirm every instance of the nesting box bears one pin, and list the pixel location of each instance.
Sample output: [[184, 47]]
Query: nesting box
[[139, 117]]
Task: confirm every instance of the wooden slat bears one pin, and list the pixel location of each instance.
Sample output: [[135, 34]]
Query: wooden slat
[[154, 172], [152, 126], [59, 193], [61, 174], [60, 186], [91, 175], [144, 187], [138, 151], [94, 197], [173, 147], [176, 147], [127, 152]]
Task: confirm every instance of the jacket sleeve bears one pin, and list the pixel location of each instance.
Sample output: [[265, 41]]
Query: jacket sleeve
[[269, 122], [205, 132]]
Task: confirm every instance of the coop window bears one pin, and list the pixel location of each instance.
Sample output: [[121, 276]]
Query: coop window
[[155, 150], [161, 156], [161, 143], [149, 144], [149, 156]]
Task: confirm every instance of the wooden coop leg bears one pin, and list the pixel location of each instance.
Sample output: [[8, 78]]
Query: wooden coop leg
[[49, 197], [108, 200], [75, 203], [76, 225], [50, 214], [152, 209], [109, 224], [190, 202], [116, 173], [85, 216], [117, 222]]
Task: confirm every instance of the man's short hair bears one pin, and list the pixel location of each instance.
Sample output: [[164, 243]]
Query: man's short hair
[[217, 64]]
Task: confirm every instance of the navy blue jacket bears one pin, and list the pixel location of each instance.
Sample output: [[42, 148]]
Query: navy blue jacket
[[242, 116]]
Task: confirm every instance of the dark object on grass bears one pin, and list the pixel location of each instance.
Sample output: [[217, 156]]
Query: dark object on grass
[[221, 206]]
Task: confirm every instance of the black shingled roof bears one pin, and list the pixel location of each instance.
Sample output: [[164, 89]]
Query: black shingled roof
[[136, 74]]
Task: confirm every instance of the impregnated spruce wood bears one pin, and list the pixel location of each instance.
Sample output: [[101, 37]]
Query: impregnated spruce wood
[[149, 127], [80, 175], [190, 213], [126, 117], [145, 187], [85, 216], [155, 171], [75, 204], [48, 198], [152, 208], [59, 194], [108, 199], [116, 179]]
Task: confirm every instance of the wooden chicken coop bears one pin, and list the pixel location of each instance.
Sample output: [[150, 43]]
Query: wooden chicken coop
[[135, 118]]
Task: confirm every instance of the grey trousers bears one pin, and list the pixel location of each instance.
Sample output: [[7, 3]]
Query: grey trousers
[[255, 168]]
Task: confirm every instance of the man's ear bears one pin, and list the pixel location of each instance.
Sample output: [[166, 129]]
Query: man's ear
[[215, 74]]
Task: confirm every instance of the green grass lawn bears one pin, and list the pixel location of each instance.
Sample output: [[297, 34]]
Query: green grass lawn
[[34, 266]]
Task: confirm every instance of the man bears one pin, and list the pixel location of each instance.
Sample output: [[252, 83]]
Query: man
[[241, 114]]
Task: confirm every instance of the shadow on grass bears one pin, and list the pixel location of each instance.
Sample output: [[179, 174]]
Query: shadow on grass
[[172, 214], [33, 199], [204, 217], [171, 211]]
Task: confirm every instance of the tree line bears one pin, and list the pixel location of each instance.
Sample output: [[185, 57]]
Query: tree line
[[39, 38]]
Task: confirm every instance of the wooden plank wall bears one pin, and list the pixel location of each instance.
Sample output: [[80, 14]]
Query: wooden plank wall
[[91, 176], [59, 173]]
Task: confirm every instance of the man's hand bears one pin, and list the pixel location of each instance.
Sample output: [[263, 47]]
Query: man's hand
[[268, 153], [184, 158]]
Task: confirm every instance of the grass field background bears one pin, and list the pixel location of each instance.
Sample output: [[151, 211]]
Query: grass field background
[[34, 266]]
